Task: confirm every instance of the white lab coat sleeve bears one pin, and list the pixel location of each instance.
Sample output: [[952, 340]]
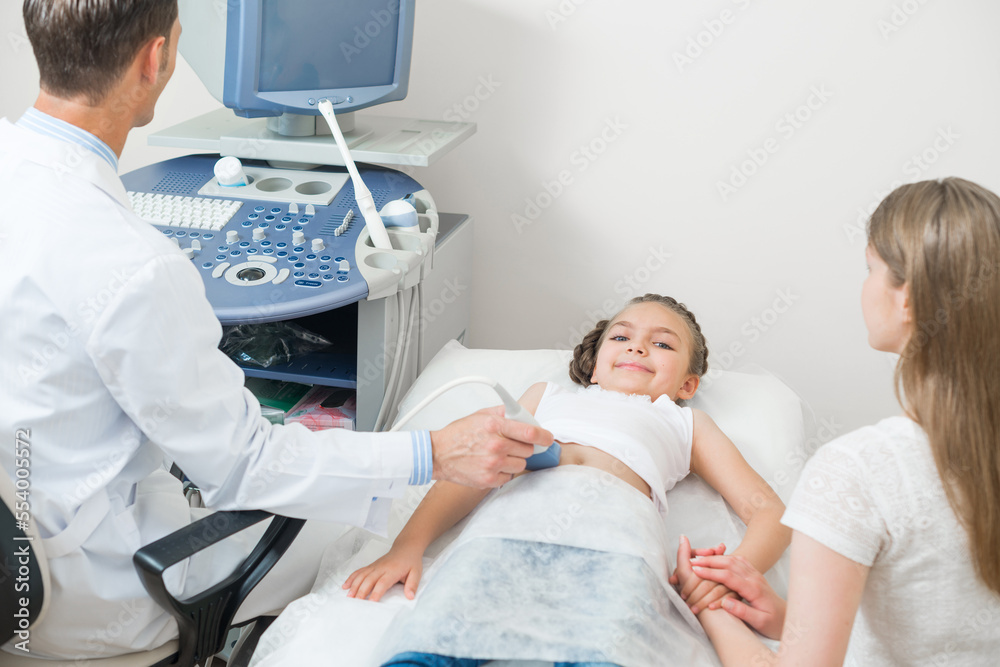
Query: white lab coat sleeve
[[156, 348]]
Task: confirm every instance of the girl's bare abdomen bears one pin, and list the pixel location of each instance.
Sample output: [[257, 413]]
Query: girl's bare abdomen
[[573, 454]]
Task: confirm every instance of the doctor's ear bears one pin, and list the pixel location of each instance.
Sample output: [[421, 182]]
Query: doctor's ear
[[690, 386]]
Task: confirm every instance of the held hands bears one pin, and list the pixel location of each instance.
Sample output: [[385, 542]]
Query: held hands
[[398, 566], [697, 592], [761, 608], [484, 450]]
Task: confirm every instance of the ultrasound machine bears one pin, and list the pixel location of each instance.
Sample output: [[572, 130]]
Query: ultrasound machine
[[275, 214]]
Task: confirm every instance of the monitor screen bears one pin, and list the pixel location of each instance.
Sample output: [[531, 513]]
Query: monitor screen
[[330, 46], [272, 57]]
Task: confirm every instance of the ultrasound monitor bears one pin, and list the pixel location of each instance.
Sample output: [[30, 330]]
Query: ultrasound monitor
[[264, 58]]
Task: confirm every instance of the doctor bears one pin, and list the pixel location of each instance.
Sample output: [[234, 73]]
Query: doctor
[[110, 365]]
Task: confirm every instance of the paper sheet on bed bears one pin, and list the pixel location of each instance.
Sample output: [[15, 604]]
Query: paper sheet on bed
[[327, 627], [761, 414]]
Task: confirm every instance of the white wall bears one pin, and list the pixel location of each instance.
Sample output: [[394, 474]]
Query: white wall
[[889, 81]]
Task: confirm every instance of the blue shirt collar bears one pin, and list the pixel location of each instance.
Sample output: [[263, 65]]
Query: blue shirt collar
[[49, 126]]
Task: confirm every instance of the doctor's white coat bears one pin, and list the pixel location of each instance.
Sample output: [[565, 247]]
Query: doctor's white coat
[[109, 361]]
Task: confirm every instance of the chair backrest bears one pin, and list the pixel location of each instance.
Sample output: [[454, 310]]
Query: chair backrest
[[24, 572]]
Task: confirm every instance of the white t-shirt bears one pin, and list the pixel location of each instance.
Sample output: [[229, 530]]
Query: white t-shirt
[[875, 496], [653, 438]]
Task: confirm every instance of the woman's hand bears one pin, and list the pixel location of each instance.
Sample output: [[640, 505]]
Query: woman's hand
[[698, 593], [398, 566], [762, 609]]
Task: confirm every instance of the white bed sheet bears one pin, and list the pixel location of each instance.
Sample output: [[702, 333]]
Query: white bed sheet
[[763, 417]]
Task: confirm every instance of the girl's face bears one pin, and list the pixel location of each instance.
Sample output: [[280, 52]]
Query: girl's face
[[647, 351], [884, 307]]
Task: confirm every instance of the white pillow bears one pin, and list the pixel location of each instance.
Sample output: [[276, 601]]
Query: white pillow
[[759, 413]]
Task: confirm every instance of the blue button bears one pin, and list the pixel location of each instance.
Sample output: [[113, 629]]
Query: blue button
[[247, 223], [206, 265], [282, 244], [325, 258], [168, 232], [310, 257], [236, 253], [314, 276], [299, 265], [297, 228], [253, 216], [259, 209], [282, 254], [324, 267], [299, 274], [286, 219], [263, 225], [207, 236], [223, 248], [244, 244], [303, 221], [252, 251], [328, 276], [220, 257], [194, 235], [265, 244], [339, 259], [268, 251], [299, 249], [308, 283], [276, 209], [279, 227], [180, 233], [270, 218], [293, 258], [342, 279]]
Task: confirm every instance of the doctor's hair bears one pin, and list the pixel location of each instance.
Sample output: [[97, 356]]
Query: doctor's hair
[[581, 368], [84, 46], [941, 239]]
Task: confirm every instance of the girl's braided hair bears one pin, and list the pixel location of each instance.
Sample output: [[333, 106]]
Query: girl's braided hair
[[581, 368]]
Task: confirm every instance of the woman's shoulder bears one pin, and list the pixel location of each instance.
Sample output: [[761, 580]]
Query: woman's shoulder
[[883, 448]]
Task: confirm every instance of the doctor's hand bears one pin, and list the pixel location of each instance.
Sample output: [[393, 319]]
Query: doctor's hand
[[761, 609], [484, 450], [400, 565]]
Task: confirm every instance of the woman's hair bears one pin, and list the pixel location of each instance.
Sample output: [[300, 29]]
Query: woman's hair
[[942, 240], [581, 368], [84, 46]]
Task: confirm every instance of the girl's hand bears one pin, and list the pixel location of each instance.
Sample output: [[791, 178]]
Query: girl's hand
[[398, 566], [701, 594], [762, 609]]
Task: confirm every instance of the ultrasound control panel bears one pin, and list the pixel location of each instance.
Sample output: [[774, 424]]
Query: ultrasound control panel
[[289, 243]]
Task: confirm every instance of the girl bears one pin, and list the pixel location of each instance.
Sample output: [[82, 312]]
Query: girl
[[587, 578], [897, 525]]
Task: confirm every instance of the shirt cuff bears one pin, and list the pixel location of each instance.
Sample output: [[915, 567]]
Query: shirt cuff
[[423, 458]]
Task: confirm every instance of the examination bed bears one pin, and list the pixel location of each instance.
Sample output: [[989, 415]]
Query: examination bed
[[765, 419]]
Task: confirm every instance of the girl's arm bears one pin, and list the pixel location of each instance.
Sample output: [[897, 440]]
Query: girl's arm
[[825, 591], [716, 459], [444, 506]]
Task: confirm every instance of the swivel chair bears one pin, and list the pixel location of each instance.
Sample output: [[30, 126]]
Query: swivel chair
[[203, 621]]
